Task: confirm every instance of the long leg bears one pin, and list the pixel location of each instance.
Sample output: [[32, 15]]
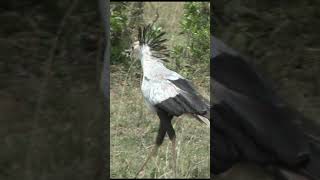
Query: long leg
[[172, 137], [166, 119], [152, 153], [159, 140]]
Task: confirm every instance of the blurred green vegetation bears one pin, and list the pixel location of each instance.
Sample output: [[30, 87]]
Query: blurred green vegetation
[[195, 23], [193, 27], [118, 32]]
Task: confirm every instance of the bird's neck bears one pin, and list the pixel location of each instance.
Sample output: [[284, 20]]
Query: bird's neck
[[148, 62]]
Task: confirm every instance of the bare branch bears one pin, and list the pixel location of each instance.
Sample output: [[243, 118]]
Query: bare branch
[[156, 19]]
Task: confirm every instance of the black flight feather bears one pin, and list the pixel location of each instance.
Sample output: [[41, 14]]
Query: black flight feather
[[248, 111], [189, 101]]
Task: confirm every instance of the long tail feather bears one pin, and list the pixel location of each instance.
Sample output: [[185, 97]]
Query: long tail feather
[[203, 120], [312, 169], [289, 175]]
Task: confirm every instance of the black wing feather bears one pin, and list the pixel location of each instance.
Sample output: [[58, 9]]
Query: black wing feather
[[187, 102], [236, 74]]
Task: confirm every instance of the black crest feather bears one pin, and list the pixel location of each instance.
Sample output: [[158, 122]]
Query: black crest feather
[[149, 35]]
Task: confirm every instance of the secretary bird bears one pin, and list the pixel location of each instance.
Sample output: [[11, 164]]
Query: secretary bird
[[253, 124], [165, 92]]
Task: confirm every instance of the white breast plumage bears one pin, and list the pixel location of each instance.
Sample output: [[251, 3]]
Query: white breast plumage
[[157, 90], [156, 86]]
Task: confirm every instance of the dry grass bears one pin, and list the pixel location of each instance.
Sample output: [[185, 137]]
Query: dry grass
[[134, 127], [133, 131]]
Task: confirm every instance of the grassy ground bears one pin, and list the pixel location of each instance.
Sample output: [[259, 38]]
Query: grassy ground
[[133, 127], [133, 131]]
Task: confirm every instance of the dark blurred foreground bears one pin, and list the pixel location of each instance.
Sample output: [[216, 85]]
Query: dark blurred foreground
[[281, 39], [51, 109]]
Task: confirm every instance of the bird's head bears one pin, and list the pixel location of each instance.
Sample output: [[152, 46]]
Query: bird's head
[[151, 42], [135, 51]]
